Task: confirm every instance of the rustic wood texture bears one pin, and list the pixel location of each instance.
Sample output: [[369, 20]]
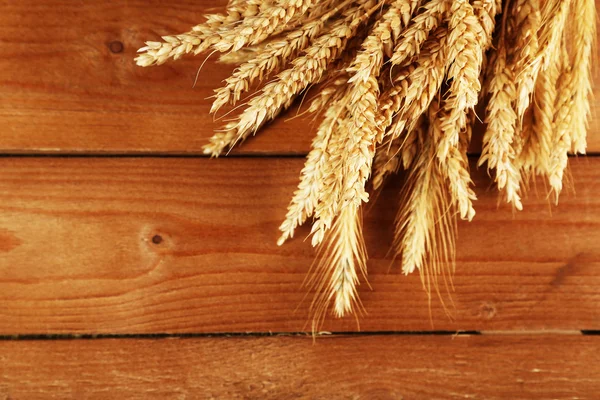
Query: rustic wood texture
[[145, 245], [364, 367], [68, 82]]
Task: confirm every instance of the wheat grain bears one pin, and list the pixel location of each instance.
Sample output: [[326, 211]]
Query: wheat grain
[[330, 93], [387, 161], [221, 140], [486, 11], [414, 36], [275, 55], [306, 197], [391, 101], [536, 154]]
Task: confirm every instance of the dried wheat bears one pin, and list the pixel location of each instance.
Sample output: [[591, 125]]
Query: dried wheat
[[527, 19], [306, 197], [255, 29], [279, 94], [563, 115], [342, 257], [414, 36], [361, 126], [425, 83], [582, 38], [272, 58], [465, 57], [501, 122], [424, 228], [199, 39]]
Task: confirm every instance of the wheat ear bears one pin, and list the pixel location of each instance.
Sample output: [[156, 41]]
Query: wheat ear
[[412, 38], [535, 155], [563, 116], [501, 121], [527, 20], [310, 68], [255, 29], [344, 249], [272, 58], [425, 83], [582, 37], [486, 11], [361, 126], [424, 235], [306, 197], [465, 57], [199, 39]]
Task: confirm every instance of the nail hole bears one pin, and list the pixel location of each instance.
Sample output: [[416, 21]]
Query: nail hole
[[157, 239], [115, 47]]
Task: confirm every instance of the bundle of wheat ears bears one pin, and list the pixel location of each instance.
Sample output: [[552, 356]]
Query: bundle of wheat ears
[[397, 82]]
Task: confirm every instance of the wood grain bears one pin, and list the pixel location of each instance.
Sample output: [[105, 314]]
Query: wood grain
[[145, 245], [363, 367], [64, 90]]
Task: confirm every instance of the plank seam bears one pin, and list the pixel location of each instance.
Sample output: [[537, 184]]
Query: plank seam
[[152, 336]]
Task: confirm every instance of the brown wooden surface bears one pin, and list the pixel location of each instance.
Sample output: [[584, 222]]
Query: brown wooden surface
[[78, 254], [147, 245], [366, 367], [63, 90]]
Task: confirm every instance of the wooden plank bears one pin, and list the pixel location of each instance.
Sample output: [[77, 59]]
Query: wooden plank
[[370, 367], [64, 90], [144, 245]]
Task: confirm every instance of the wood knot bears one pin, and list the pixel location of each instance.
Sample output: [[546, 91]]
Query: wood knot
[[116, 47], [487, 310], [157, 239]]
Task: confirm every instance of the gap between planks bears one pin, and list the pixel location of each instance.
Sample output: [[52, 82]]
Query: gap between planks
[[233, 335]]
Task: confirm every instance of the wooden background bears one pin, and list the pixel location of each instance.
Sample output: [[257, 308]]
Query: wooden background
[[133, 267]]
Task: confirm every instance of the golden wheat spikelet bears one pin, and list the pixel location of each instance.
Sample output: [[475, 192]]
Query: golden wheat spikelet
[[501, 120], [424, 235]]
